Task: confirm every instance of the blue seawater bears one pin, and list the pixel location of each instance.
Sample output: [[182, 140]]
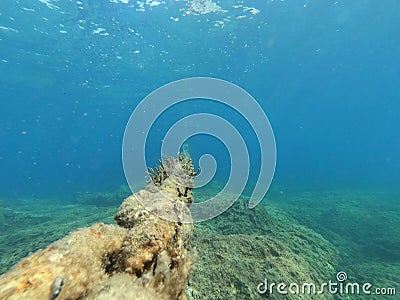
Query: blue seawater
[[326, 73]]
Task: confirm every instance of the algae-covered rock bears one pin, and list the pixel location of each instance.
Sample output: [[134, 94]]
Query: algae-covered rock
[[146, 256], [143, 257], [233, 266], [75, 261], [240, 249]]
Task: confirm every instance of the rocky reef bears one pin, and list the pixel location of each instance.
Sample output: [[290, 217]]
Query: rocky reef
[[241, 248], [102, 199], [143, 257], [293, 237]]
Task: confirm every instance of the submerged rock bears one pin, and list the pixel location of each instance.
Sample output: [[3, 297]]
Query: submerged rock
[[148, 257], [243, 248], [143, 257]]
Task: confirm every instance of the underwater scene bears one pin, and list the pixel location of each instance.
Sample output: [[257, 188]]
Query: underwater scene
[[199, 149]]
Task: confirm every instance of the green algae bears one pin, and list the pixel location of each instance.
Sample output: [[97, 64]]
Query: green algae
[[240, 248], [362, 225], [290, 237]]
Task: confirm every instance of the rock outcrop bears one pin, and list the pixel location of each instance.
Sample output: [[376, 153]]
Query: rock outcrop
[[143, 257]]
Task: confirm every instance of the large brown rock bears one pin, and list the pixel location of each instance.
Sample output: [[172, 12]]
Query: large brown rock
[[143, 257]]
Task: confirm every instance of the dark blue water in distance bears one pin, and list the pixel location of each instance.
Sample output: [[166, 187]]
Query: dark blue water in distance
[[325, 72]]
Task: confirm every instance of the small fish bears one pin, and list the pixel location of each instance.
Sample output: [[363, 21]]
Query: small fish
[[56, 287]]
